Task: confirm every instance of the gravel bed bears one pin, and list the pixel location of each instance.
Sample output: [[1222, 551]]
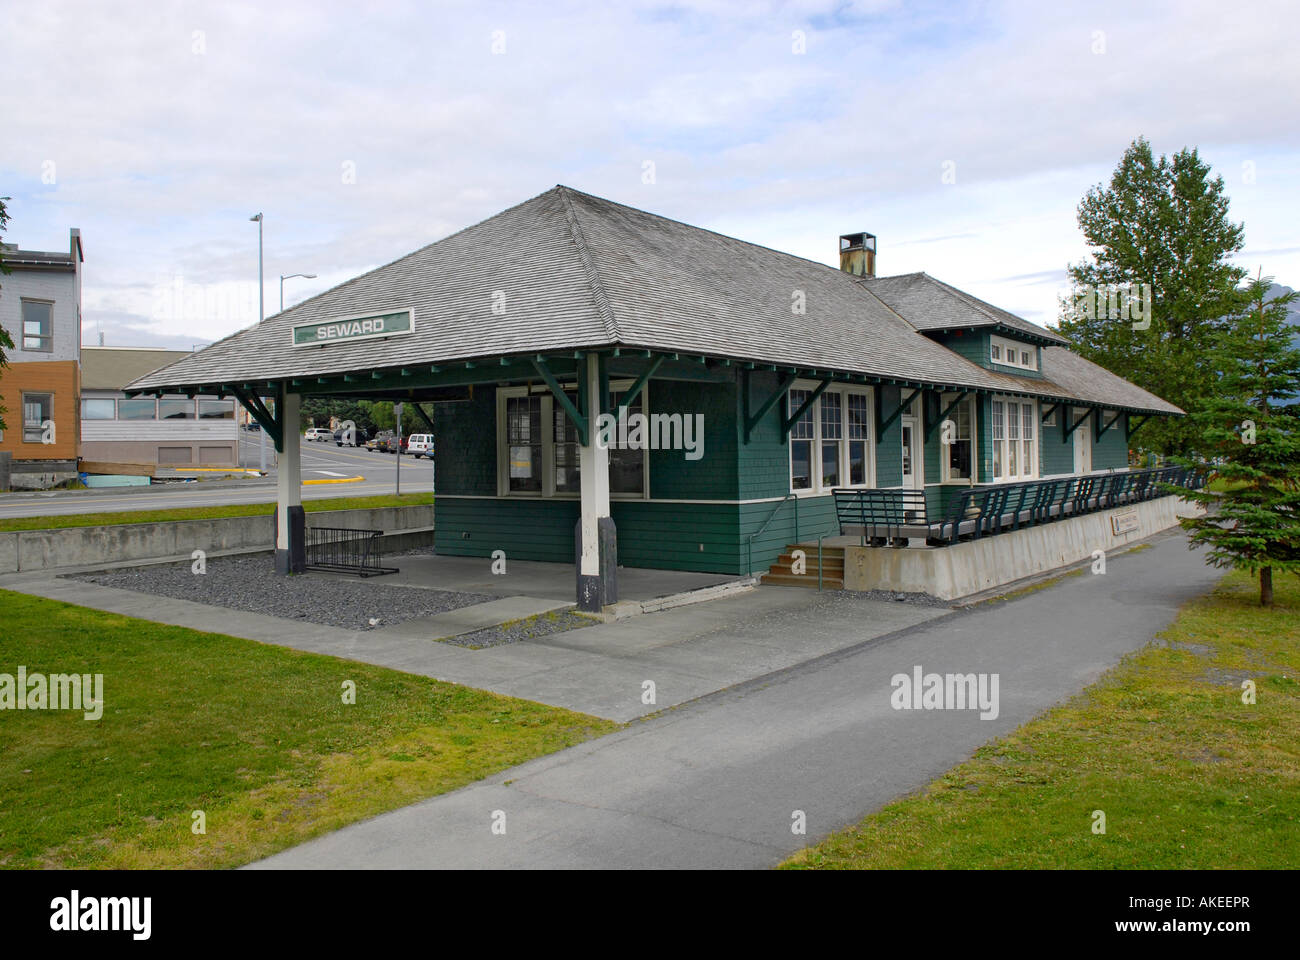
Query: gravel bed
[[530, 628], [246, 583], [915, 599]]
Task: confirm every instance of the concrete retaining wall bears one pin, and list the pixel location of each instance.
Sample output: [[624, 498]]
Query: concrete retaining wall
[[28, 550], [978, 565]]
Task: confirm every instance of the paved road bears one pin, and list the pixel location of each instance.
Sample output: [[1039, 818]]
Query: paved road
[[320, 461], [714, 783]]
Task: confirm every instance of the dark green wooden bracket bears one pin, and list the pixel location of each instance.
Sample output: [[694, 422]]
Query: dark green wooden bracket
[[1065, 435], [781, 389], [929, 433], [788, 422], [423, 416], [1102, 431], [1047, 413], [635, 390], [265, 419], [883, 425], [1134, 429], [579, 421]]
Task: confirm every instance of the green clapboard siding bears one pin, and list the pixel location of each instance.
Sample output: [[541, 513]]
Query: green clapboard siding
[[1111, 451], [1055, 457]]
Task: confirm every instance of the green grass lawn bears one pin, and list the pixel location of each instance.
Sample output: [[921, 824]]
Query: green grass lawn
[[1187, 775], [256, 736], [208, 513]]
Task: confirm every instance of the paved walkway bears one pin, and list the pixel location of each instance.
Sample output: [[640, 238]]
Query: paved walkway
[[714, 783], [687, 652]]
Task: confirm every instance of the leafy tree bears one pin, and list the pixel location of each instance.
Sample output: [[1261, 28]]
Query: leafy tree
[[6, 342], [1163, 223], [1251, 444]]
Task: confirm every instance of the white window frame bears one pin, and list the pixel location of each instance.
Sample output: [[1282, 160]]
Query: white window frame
[[1011, 350], [1022, 474], [869, 471], [548, 490], [944, 477]]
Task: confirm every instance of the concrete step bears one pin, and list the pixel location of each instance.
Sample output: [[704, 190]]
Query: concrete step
[[828, 569], [789, 580]]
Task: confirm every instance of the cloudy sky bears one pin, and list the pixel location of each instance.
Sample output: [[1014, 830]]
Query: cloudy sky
[[365, 130]]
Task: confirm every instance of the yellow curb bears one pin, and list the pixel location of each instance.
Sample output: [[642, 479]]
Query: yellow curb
[[307, 483]]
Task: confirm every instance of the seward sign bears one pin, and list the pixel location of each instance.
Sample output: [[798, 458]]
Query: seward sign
[[363, 327]]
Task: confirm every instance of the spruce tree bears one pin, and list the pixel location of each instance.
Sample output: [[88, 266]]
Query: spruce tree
[[1250, 442]]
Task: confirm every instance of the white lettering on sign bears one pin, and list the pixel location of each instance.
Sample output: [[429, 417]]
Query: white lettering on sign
[[353, 328]]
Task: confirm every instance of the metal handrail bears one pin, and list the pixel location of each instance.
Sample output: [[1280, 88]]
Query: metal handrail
[[749, 554]]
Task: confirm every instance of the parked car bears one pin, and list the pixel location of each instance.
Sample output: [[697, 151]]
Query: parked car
[[420, 445], [392, 444], [379, 441], [319, 433], [359, 437]]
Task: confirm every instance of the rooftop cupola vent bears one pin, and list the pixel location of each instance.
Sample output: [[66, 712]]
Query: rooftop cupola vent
[[858, 254]]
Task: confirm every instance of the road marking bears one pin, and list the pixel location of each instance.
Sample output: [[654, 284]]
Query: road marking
[[331, 473]]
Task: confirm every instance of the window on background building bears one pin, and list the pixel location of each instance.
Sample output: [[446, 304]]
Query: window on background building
[[137, 409], [38, 325], [216, 409], [802, 435], [524, 442], [98, 408], [831, 443], [957, 456], [995, 352], [172, 408], [37, 408]]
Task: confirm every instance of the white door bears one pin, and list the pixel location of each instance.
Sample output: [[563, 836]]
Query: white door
[[1082, 449], [913, 464]]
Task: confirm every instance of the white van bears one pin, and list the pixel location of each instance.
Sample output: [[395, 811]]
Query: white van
[[420, 445]]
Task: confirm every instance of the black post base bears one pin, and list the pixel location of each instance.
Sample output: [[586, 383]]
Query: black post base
[[595, 592], [293, 560]]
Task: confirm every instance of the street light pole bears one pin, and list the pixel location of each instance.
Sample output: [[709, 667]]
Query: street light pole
[[290, 276], [261, 315]]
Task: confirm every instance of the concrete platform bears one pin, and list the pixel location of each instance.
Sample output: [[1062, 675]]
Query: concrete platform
[[529, 578]]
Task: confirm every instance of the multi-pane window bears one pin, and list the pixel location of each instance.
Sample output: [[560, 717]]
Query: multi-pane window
[[832, 433], [565, 440], [1011, 354], [1027, 438], [858, 436], [830, 442], [38, 325], [802, 435], [1013, 435], [998, 433], [542, 452], [524, 442], [626, 465], [958, 443], [37, 408]]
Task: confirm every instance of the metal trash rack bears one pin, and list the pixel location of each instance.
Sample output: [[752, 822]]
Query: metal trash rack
[[345, 550]]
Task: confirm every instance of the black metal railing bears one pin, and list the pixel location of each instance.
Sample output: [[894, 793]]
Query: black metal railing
[[342, 550], [894, 515]]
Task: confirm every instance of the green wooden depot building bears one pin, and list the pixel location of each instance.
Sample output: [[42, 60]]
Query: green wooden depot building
[[766, 379]]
